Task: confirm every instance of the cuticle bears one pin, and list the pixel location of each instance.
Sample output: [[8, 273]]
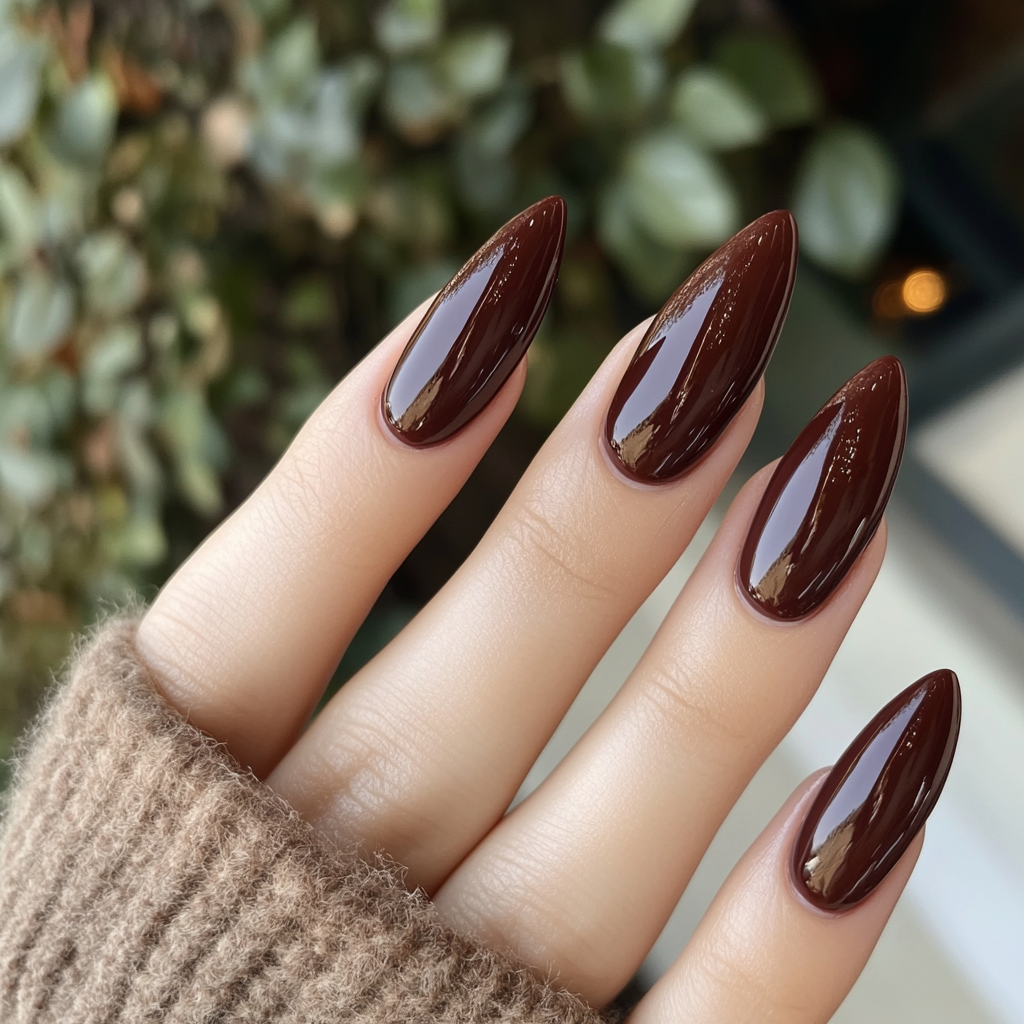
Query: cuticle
[[799, 891], [796, 885], [399, 442], [758, 610], [615, 465]]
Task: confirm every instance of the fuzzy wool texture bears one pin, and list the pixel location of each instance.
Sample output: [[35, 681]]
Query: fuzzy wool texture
[[144, 876]]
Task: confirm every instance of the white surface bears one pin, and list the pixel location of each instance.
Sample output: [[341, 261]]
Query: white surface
[[954, 949], [977, 450]]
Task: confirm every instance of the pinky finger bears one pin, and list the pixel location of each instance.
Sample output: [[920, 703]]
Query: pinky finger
[[792, 928]]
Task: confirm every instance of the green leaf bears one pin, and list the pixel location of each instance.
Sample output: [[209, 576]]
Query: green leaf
[[140, 542], [20, 61], [114, 354], [715, 111], [474, 63], [31, 477], [293, 60], [846, 199], [408, 25], [137, 458], [309, 304], [198, 447], [57, 387], [608, 82], [114, 274], [417, 102], [678, 194], [497, 125], [485, 180], [774, 74], [41, 315], [268, 10], [334, 135], [85, 120], [65, 199], [485, 175], [19, 213], [653, 270], [645, 23], [25, 410], [35, 549]]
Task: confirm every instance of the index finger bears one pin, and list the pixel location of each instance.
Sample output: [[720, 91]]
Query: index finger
[[245, 636]]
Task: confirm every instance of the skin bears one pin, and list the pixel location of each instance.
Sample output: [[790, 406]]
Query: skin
[[420, 754]]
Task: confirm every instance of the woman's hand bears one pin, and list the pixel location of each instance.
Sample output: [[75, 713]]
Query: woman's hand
[[421, 753]]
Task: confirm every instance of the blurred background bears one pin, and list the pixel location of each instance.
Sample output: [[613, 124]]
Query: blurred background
[[211, 209]]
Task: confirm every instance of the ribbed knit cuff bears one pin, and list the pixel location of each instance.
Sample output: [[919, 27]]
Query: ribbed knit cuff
[[145, 877]]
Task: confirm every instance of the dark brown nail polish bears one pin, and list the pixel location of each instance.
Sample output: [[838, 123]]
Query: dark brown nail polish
[[478, 328], [704, 352], [827, 494], [877, 797]]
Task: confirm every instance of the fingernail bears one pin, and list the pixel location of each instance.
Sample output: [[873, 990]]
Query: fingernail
[[478, 328], [704, 352], [879, 794], [827, 494]]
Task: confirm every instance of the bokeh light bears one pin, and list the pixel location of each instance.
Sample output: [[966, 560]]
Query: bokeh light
[[919, 293], [924, 291]]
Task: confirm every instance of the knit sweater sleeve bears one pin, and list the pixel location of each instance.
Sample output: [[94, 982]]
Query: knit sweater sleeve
[[145, 877]]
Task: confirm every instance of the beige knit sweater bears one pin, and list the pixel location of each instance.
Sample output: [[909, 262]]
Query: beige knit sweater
[[145, 877]]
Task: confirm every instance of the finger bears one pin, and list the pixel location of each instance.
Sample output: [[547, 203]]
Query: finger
[[715, 692], [761, 952], [582, 876], [423, 751], [794, 924], [246, 634]]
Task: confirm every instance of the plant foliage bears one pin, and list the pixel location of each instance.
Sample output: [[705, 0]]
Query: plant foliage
[[209, 210]]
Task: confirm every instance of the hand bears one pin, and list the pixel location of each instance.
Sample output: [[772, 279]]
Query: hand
[[420, 754]]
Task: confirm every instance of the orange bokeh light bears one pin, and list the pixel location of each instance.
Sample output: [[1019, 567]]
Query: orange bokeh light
[[923, 291]]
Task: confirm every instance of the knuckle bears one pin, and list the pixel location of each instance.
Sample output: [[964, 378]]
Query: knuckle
[[364, 781], [559, 553], [723, 975], [300, 481], [687, 706], [731, 975]]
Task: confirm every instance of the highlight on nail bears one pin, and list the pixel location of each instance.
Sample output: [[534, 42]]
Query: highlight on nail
[[880, 792], [827, 495], [704, 353], [477, 329]]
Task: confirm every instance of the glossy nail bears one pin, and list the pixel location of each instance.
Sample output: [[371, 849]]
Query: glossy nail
[[704, 353], [827, 494], [478, 328], [877, 797]]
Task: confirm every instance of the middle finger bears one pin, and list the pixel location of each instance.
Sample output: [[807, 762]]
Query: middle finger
[[422, 751]]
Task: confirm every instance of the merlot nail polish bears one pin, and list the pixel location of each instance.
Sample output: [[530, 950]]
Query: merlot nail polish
[[878, 795], [704, 353], [478, 328], [827, 494]]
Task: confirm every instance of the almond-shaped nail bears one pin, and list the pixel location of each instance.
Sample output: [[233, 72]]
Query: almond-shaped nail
[[477, 329], [878, 795], [704, 353], [827, 494]]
